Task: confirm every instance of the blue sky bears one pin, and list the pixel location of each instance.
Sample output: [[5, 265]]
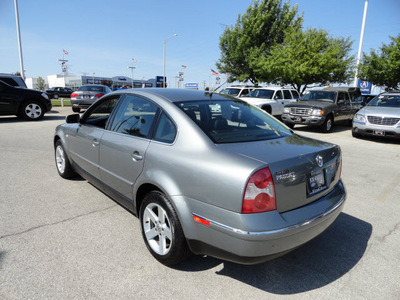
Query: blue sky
[[103, 36]]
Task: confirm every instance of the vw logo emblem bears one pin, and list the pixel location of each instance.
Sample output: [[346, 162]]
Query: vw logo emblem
[[319, 160], [364, 84]]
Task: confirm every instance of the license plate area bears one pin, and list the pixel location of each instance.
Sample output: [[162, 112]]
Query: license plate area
[[379, 132], [316, 182], [298, 119]]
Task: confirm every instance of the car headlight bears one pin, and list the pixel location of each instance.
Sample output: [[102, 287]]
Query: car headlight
[[317, 112], [359, 117], [44, 95], [286, 110]]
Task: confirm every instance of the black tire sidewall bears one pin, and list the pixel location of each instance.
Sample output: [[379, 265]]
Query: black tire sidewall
[[55, 96], [68, 171], [179, 250], [324, 126]]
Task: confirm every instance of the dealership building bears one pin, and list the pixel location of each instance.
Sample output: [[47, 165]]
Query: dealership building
[[75, 82]]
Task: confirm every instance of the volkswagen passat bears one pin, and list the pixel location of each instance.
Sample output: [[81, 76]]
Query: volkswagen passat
[[232, 183]]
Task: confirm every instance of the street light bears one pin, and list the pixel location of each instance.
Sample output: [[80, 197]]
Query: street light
[[21, 60], [132, 68], [165, 41]]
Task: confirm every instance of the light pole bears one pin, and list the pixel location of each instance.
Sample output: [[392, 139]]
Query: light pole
[[21, 60], [361, 41], [165, 41], [132, 68]]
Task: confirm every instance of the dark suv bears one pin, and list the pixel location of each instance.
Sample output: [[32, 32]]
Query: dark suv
[[23, 102], [57, 92], [323, 108]]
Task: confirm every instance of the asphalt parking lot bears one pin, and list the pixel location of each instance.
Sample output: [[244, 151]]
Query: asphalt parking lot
[[63, 239]]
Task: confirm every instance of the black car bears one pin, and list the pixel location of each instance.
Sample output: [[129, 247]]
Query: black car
[[13, 80], [59, 92], [323, 108], [26, 103]]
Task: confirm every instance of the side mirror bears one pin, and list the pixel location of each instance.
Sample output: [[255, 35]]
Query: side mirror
[[71, 119]]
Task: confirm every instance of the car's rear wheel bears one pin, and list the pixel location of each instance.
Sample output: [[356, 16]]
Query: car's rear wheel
[[161, 229], [55, 96], [328, 125], [63, 164], [31, 110], [76, 109]]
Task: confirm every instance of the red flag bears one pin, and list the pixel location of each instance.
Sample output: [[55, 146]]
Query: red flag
[[215, 73], [65, 52]]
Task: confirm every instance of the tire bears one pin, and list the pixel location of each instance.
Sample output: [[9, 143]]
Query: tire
[[32, 110], [267, 108], [328, 125], [290, 125], [76, 109], [161, 230], [63, 164], [55, 96], [355, 134]]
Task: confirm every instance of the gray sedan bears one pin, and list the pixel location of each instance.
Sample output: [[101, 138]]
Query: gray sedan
[[86, 95], [381, 117], [232, 182]]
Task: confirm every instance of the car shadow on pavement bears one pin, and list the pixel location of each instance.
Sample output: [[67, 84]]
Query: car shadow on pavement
[[337, 128], [15, 119], [316, 264]]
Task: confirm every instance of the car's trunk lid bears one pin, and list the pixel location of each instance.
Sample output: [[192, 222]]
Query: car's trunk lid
[[303, 169]]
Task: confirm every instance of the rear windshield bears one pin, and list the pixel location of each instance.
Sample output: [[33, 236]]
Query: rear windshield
[[261, 93], [229, 121], [319, 96], [91, 88], [386, 101], [232, 92]]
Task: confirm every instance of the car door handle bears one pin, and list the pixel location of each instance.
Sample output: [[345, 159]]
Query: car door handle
[[136, 156], [95, 143]]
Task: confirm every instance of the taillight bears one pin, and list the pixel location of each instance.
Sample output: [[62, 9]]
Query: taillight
[[259, 195], [74, 95], [98, 95]]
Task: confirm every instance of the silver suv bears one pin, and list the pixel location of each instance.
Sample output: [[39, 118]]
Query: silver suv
[[380, 117], [271, 99]]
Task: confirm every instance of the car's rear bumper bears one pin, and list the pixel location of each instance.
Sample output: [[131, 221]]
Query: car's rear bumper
[[305, 120], [282, 232], [368, 129]]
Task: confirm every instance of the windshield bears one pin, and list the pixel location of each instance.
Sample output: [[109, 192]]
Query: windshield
[[229, 121], [261, 93], [91, 88], [229, 91], [386, 101], [319, 96]]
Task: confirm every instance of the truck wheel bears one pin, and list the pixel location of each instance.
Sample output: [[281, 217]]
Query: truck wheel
[[290, 125], [328, 125]]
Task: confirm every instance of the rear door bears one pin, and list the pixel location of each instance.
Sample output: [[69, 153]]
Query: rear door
[[8, 99], [123, 147]]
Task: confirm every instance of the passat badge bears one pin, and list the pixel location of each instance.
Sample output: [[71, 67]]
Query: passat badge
[[319, 160]]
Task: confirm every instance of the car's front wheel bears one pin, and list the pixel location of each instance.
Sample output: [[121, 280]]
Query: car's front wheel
[[31, 110], [63, 164], [161, 229], [327, 126], [55, 96], [76, 109], [290, 125]]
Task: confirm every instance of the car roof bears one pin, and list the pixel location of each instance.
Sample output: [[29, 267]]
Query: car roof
[[342, 89], [274, 88], [175, 95]]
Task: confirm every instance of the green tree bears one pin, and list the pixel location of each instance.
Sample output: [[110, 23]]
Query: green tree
[[256, 31], [383, 69], [307, 57], [41, 84]]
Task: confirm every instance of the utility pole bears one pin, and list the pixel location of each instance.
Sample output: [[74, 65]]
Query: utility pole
[[21, 60], [361, 41]]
